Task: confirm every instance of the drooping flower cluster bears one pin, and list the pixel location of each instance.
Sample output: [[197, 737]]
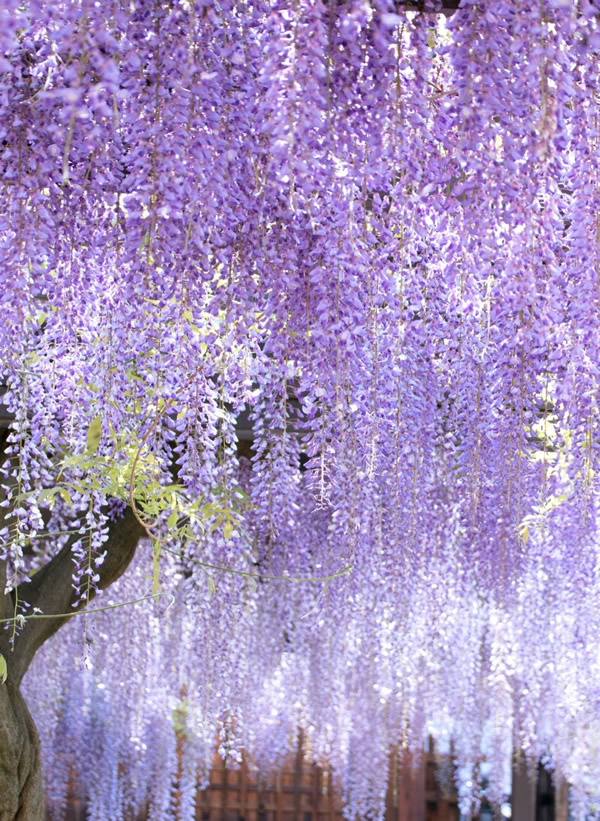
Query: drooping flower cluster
[[364, 240]]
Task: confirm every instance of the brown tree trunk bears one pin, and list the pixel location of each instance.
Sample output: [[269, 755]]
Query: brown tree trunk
[[50, 590], [21, 793]]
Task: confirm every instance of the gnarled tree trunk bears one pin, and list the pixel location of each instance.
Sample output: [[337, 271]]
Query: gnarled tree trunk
[[50, 590], [21, 793]]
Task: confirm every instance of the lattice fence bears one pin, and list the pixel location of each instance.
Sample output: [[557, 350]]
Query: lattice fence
[[303, 792]]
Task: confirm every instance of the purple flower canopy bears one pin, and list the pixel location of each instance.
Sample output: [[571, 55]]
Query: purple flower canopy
[[367, 240]]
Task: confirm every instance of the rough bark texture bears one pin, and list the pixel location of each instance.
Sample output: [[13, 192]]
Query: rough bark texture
[[21, 793], [50, 589]]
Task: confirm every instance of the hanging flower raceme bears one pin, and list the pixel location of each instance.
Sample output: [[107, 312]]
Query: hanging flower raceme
[[313, 289]]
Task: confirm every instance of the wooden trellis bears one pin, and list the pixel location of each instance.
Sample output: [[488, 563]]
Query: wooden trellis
[[301, 791]]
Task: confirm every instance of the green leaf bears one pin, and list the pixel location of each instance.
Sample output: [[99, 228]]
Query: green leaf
[[47, 495], [66, 495], [215, 524], [211, 585], [93, 435], [3, 669], [173, 519]]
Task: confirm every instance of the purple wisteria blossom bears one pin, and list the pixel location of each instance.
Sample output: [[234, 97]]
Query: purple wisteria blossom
[[312, 289]]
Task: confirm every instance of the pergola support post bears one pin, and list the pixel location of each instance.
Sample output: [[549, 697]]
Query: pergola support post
[[523, 799]]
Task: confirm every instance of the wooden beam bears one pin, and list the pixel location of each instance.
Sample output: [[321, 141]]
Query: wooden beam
[[523, 791], [561, 799], [411, 788]]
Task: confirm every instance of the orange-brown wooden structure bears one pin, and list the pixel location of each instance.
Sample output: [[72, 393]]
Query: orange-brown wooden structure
[[301, 791]]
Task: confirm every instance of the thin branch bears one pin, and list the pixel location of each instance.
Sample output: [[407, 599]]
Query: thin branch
[[24, 619], [343, 572]]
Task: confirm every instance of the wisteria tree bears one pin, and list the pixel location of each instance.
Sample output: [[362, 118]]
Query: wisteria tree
[[300, 329]]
